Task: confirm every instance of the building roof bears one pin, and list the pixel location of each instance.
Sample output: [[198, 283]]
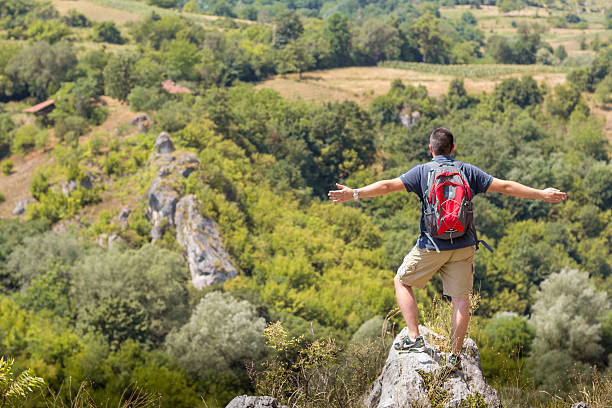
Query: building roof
[[173, 88], [40, 106]]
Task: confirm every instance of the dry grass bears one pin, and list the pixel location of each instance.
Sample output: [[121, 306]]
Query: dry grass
[[96, 12], [363, 84]]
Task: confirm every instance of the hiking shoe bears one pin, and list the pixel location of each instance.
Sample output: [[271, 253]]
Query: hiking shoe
[[453, 364], [407, 345]]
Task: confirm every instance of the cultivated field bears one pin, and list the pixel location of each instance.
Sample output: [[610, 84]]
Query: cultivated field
[[122, 11], [494, 22], [363, 84]]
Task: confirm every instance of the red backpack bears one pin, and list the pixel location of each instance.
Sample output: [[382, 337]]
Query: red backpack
[[447, 204]]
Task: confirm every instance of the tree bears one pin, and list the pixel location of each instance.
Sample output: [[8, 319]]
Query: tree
[[295, 58], [42, 67], [40, 253], [338, 34], [118, 80], [567, 99], [222, 333], [432, 44], [139, 294], [378, 41], [566, 317], [560, 52], [288, 27], [107, 31]]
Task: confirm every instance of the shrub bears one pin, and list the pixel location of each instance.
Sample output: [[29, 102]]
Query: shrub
[[39, 185], [25, 138], [510, 334], [70, 126], [75, 19], [146, 99], [139, 294], [317, 373], [7, 167], [222, 333], [107, 31], [565, 315], [2, 198], [16, 388]]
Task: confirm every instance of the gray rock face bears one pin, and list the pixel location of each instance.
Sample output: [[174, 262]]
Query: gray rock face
[[21, 206], [208, 261], [401, 383], [68, 187], [245, 401], [163, 144], [199, 236], [162, 200]]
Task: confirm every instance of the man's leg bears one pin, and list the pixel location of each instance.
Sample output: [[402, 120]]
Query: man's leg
[[460, 320], [408, 306]]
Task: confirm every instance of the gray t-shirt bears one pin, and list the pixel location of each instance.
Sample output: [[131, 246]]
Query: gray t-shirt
[[415, 180]]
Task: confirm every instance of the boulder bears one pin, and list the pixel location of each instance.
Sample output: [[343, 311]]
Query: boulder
[[123, 217], [245, 401], [21, 207], [199, 236], [413, 379], [139, 119], [68, 187], [163, 144]]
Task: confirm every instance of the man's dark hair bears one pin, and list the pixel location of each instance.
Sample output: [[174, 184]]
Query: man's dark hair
[[441, 141]]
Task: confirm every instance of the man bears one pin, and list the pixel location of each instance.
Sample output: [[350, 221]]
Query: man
[[454, 258]]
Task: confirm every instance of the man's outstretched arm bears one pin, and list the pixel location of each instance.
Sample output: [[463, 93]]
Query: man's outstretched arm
[[551, 195], [373, 190]]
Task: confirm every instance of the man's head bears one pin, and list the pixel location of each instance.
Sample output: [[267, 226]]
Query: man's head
[[441, 142]]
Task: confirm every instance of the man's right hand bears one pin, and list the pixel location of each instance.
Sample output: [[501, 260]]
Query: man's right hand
[[339, 196]]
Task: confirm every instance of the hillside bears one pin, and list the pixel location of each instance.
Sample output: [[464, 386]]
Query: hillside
[[179, 246]]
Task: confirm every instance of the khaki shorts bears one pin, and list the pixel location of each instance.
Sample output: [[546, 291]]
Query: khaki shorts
[[456, 269]]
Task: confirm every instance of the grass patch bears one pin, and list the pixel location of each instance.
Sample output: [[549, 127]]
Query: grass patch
[[474, 70]]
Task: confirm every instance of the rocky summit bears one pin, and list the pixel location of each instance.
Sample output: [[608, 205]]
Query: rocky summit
[[420, 379]]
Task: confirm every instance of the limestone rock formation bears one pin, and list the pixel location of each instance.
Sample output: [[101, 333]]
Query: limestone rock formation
[[411, 379], [244, 401], [21, 206], [163, 144], [199, 236], [208, 261]]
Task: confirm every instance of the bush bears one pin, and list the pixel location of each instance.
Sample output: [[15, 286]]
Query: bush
[[139, 294], [107, 31], [7, 167], [568, 333], [146, 99], [510, 334], [70, 126], [75, 19], [25, 138], [2, 198], [222, 333], [39, 185]]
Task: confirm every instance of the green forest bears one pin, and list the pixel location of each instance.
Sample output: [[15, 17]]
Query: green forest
[[90, 325]]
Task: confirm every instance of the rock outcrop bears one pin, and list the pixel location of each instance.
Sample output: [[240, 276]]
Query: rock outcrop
[[199, 236], [20, 208], [244, 401], [208, 261], [414, 379]]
